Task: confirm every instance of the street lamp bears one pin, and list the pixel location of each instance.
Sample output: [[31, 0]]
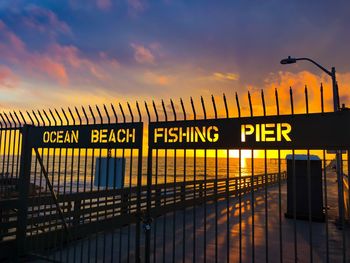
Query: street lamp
[[331, 73], [336, 106]]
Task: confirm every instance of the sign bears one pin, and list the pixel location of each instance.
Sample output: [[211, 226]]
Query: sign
[[118, 135], [301, 131]]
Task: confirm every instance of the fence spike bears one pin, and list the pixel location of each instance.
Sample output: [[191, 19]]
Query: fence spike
[[337, 91], [226, 107], [306, 100], [130, 111], [99, 114], [41, 117], [15, 113], [92, 114], [138, 111], [47, 117], [107, 114], [291, 99], [183, 108], [214, 106], [7, 118], [36, 118], [322, 105], [277, 102], [0, 123], [71, 115], [3, 120], [53, 117], [173, 108], [59, 117], [250, 104], [30, 117], [147, 110], [10, 123], [263, 102], [65, 116], [155, 110], [14, 122], [24, 120], [79, 117], [165, 113], [203, 107], [238, 107], [85, 115], [122, 111], [193, 109], [114, 113]]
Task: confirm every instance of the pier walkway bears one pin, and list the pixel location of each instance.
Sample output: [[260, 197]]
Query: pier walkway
[[201, 231]]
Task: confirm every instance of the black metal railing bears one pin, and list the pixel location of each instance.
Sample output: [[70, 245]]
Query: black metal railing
[[78, 185]]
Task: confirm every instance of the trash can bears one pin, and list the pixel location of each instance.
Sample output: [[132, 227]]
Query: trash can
[[302, 187]]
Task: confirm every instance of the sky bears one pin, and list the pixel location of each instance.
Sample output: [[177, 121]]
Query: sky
[[87, 52]]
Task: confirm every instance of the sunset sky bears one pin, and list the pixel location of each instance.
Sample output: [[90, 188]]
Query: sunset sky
[[80, 52]]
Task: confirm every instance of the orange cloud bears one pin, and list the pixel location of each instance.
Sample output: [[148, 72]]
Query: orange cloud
[[142, 54], [282, 81], [226, 76], [56, 62], [158, 79]]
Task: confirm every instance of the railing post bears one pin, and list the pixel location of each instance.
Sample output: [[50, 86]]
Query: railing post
[[147, 220], [23, 187], [124, 203], [77, 212], [183, 188], [158, 197]]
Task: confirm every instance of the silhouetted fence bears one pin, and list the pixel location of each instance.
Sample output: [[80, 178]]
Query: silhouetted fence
[[78, 185]]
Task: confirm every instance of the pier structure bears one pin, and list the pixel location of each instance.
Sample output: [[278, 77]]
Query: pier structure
[[130, 185]]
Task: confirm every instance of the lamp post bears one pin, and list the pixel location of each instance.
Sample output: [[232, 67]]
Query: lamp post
[[336, 106]]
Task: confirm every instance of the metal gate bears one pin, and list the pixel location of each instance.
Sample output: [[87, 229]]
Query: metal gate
[[214, 185], [79, 187], [215, 195]]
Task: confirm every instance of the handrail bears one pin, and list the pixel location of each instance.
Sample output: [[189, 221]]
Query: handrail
[[75, 207]]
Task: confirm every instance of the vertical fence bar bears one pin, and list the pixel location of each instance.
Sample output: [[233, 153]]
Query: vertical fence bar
[[194, 190], [228, 232], [147, 226], [279, 188], [216, 188], [309, 185], [240, 184], [174, 190], [294, 188], [265, 190], [325, 185], [139, 192], [24, 180], [205, 191], [252, 186]]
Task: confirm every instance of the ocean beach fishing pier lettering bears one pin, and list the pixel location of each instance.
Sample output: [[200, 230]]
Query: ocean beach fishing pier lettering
[[269, 132], [119, 135]]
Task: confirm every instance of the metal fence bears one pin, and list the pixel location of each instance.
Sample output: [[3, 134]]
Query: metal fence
[[79, 185]]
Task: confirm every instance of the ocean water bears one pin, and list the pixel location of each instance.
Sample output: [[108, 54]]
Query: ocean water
[[76, 174]]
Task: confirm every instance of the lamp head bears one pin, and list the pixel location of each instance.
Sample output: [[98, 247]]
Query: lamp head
[[288, 60]]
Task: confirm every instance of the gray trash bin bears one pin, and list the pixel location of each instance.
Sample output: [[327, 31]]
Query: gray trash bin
[[302, 193]]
